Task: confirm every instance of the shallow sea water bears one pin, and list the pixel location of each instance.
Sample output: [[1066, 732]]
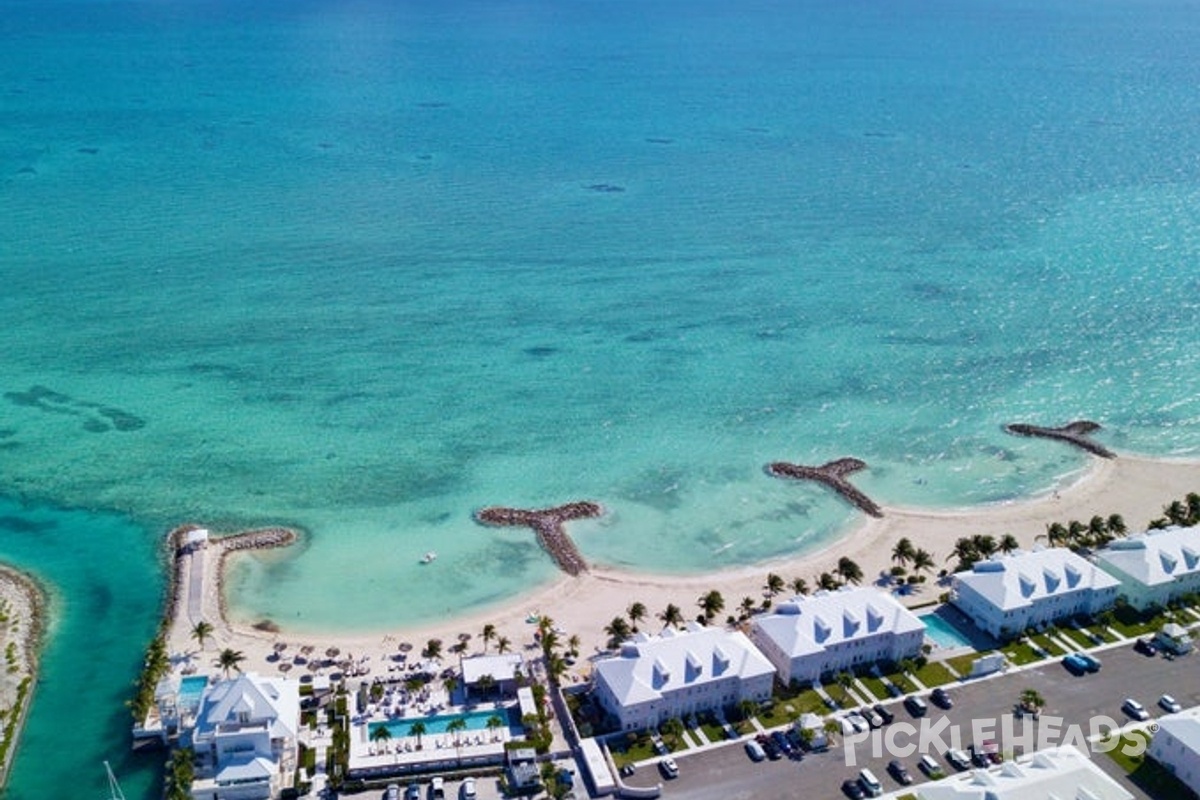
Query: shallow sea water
[[366, 268]]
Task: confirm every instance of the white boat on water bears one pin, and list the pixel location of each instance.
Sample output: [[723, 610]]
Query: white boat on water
[[429, 557], [114, 788]]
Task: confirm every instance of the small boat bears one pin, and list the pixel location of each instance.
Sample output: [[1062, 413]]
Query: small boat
[[429, 557], [114, 788]]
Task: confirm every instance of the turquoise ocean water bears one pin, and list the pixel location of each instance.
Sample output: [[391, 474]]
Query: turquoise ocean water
[[364, 267]]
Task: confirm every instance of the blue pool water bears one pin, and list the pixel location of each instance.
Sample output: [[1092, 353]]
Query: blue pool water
[[191, 689], [943, 633], [476, 721]]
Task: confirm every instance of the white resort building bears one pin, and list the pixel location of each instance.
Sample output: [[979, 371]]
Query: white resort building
[[1176, 745], [1007, 594], [807, 637], [1154, 567], [245, 738], [678, 672], [491, 674], [1061, 773]]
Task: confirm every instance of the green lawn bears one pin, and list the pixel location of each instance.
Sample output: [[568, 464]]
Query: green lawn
[[1078, 637], [1020, 653], [837, 693], [1048, 644], [962, 664], [876, 686], [712, 729], [902, 682], [934, 674], [1155, 780], [624, 751]]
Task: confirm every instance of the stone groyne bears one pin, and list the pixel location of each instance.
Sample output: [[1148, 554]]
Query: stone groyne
[[1075, 433], [548, 524], [832, 475]]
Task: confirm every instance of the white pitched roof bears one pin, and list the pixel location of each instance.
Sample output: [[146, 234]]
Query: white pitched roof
[[271, 701], [1062, 773], [1024, 577], [805, 625], [651, 666], [501, 666], [1155, 557], [241, 771], [1184, 726]]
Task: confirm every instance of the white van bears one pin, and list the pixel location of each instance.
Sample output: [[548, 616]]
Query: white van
[[870, 783]]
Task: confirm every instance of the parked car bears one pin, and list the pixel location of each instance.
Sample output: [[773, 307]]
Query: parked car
[[668, 767], [1145, 647], [1090, 662], [1135, 709], [942, 698], [393, 792], [873, 719], [958, 759], [899, 772], [930, 767], [781, 741], [413, 792], [853, 790], [858, 721], [979, 758], [916, 706], [660, 747], [468, 789], [1169, 704], [628, 769], [755, 751], [438, 788], [1074, 664], [770, 748], [884, 714]]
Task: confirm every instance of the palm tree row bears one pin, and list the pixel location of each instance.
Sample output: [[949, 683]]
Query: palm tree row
[[970, 550], [1185, 514], [1076, 535]]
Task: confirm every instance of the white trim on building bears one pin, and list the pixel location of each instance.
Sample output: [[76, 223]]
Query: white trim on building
[[1176, 745], [806, 637], [1154, 567], [678, 672], [1007, 594], [1062, 773]]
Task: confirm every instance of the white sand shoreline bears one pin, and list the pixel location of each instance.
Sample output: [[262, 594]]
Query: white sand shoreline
[[1138, 488]]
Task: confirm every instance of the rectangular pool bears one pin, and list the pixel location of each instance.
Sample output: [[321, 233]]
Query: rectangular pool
[[943, 633], [475, 720]]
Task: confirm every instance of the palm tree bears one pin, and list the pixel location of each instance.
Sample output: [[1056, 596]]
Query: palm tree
[[450, 684], [556, 666], [1008, 543], [904, 551], [748, 708], [433, 650], [1056, 534], [845, 680], [381, 735], [1097, 527], [671, 616], [201, 631], [456, 726], [1076, 531], [1116, 525], [618, 631], [966, 552], [1193, 508], [494, 723], [573, 643], [711, 603], [230, 659], [799, 586], [503, 644], [922, 561], [827, 582], [637, 612], [832, 729], [985, 544], [774, 584], [489, 633], [418, 730], [1031, 700], [486, 683], [747, 605], [849, 571], [1176, 513]]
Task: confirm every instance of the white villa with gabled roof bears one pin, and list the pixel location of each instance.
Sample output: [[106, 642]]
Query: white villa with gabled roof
[[1060, 773], [679, 672], [245, 738], [1154, 567], [1176, 746], [809, 636], [1007, 594]]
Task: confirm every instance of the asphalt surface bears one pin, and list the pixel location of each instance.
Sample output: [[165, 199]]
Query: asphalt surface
[[727, 773]]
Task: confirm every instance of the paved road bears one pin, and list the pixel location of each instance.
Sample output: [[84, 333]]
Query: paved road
[[727, 774]]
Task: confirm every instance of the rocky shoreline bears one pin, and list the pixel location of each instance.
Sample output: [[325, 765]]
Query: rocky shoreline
[[22, 626], [832, 474], [1075, 433], [549, 525]]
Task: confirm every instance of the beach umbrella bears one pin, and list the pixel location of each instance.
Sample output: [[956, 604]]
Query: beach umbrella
[[284, 666], [280, 647], [405, 647], [332, 652]]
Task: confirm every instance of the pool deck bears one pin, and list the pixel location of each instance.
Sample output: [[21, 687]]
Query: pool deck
[[438, 750]]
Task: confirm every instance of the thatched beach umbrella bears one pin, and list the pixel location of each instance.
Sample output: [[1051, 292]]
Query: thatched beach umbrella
[[279, 647], [332, 652], [284, 666], [405, 647]]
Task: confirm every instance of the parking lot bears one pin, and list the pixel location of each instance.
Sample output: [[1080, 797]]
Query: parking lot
[[727, 772]]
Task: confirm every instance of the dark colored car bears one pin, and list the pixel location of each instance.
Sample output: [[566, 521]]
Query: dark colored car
[[1090, 663], [1074, 664], [899, 772], [916, 706], [853, 790], [782, 742], [1145, 647], [884, 714], [942, 698], [979, 758]]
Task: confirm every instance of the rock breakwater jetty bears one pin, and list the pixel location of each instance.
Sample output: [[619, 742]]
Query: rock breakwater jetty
[[549, 525], [1075, 433], [832, 474]]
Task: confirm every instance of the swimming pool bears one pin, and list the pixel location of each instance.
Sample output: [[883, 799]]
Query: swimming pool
[[476, 721], [943, 633], [191, 689]]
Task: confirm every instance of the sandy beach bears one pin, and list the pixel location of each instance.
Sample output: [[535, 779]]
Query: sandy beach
[[23, 605], [1134, 487]]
